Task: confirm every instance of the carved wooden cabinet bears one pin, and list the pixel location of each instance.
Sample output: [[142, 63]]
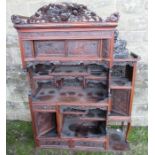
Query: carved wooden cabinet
[[79, 81]]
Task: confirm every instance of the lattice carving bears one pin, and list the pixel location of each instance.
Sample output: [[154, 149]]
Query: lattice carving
[[121, 101]]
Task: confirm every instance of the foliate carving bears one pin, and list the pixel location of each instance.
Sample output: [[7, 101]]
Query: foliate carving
[[63, 12], [120, 50], [17, 19], [113, 17]]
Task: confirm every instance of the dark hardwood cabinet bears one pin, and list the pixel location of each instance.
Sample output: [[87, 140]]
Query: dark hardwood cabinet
[[78, 83]]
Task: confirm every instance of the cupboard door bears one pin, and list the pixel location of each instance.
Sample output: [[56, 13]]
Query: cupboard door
[[121, 101]]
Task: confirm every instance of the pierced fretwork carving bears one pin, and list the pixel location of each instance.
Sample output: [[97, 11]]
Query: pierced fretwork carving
[[113, 17], [63, 12], [120, 50]]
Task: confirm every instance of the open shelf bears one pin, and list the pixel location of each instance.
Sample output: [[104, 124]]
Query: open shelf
[[71, 94], [48, 71], [49, 129], [120, 81], [121, 76], [73, 126], [86, 114]]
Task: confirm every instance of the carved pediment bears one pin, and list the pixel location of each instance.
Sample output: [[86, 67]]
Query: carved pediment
[[63, 12]]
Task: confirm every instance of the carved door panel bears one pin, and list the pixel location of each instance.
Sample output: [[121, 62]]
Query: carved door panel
[[121, 101]]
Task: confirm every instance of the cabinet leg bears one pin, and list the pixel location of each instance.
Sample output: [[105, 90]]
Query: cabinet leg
[[106, 143], [127, 131], [122, 126]]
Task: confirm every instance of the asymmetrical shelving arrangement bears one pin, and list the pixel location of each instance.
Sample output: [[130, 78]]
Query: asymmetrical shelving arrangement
[[81, 77]]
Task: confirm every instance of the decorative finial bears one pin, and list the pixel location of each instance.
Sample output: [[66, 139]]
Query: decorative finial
[[113, 17]]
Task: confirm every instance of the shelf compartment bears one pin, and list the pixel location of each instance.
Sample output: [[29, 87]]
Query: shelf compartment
[[75, 127], [71, 94], [121, 76], [120, 81], [85, 113], [45, 123], [48, 70], [68, 69]]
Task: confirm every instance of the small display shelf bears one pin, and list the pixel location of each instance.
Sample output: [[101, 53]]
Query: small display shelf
[[71, 94], [48, 71], [75, 127], [87, 113]]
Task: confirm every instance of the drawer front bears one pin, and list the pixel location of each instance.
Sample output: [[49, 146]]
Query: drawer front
[[43, 107], [66, 35]]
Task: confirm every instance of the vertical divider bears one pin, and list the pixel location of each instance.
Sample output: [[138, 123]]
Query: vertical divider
[[111, 46], [109, 91], [131, 99], [58, 120], [99, 49], [66, 48], [33, 48], [132, 88], [31, 81]]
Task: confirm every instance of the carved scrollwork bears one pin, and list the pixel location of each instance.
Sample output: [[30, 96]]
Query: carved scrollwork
[[120, 50], [63, 12], [113, 17], [17, 19]]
